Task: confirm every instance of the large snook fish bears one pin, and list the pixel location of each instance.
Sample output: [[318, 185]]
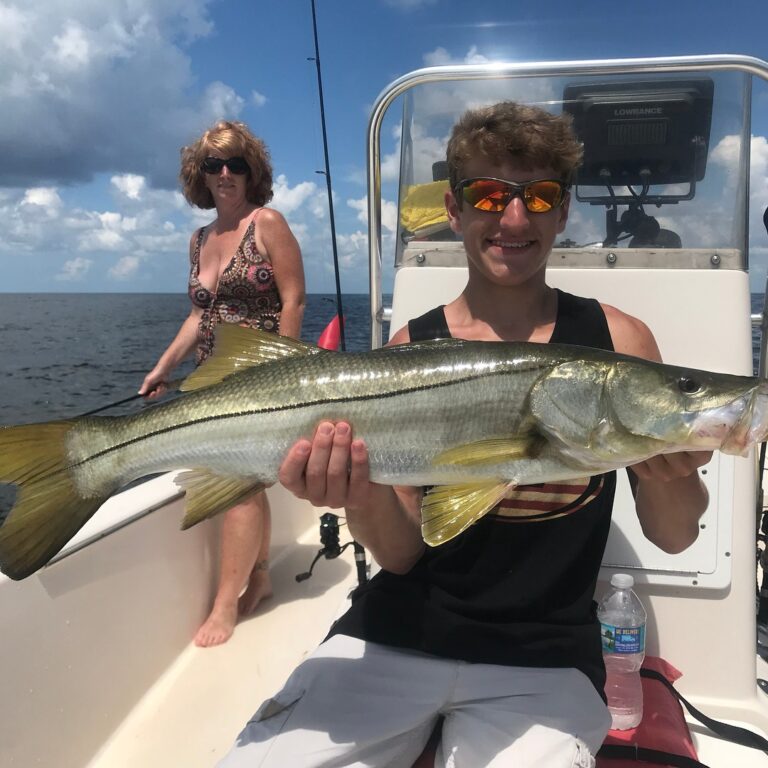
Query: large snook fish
[[472, 419]]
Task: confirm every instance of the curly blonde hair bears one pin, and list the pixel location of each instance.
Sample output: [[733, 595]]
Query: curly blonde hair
[[231, 139], [529, 136]]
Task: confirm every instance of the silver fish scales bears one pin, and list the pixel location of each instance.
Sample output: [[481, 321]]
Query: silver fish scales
[[472, 419]]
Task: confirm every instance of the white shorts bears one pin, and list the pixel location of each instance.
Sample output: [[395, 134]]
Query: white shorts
[[362, 705]]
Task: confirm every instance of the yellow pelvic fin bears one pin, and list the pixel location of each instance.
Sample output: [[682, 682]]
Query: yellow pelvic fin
[[236, 347], [48, 511], [447, 510], [492, 451], [209, 494]]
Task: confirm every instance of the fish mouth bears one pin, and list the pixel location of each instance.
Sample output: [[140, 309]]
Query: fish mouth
[[752, 425]]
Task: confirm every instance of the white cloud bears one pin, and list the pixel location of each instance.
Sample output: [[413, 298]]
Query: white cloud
[[103, 240], [221, 102], [126, 268], [259, 99], [14, 27], [390, 164], [437, 58], [44, 197], [130, 184], [726, 155], [441, 57], [75, 269], [86, 75], [71, 49], [473, 57], [353, 249], [109, 234], [388, 212], [289, 199], [759, 169], [361, 206]]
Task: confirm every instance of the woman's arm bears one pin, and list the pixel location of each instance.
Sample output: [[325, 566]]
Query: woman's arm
[[155, 382], [670, 496], [276, 241]]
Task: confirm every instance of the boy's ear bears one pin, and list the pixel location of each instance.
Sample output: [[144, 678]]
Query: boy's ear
[[452, 208]]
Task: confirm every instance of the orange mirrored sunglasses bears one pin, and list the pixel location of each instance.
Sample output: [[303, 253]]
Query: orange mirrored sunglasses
[[494, 195]]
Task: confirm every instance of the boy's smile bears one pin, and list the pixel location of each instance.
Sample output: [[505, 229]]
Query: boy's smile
[[512, 246]]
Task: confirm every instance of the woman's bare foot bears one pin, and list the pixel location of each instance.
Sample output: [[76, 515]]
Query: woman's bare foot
[[259, 588], [218, 627]]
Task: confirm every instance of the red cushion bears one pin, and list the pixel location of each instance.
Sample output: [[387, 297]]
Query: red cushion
[[663, 726]]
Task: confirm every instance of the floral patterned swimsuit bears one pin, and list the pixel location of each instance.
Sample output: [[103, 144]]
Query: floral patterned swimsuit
[[246, 293]]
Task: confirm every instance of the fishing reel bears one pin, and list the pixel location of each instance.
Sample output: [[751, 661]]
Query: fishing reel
[[329, 538]]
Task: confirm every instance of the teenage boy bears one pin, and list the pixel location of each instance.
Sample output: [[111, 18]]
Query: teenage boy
[[494, 631]]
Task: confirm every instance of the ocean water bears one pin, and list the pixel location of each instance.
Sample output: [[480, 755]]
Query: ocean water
[[64, 354]]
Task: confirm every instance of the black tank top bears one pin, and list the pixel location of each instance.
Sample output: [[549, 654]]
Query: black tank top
[[517, 587]]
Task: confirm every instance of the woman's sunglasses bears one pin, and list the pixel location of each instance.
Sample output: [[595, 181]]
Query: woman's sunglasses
[[494, 195], [236, 165]]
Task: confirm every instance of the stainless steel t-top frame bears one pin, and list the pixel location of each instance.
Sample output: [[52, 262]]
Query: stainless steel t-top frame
[[501, 71]]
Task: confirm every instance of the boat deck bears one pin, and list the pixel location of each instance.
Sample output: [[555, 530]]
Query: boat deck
[[218, 689], [109, 702]]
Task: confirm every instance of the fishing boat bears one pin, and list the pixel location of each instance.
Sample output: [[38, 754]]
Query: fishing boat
[[98, 668]]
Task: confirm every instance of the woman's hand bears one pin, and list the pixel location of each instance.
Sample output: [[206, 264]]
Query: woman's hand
[[155, 384]]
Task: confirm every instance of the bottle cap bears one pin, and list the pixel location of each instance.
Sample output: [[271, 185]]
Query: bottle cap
[[622, 581]]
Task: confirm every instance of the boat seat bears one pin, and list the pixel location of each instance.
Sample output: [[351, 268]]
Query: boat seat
[[683, 302]]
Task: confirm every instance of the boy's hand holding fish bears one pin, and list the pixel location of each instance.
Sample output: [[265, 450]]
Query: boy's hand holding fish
[[332, 470]]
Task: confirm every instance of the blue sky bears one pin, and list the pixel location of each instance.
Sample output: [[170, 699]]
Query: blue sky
[[99, 95]]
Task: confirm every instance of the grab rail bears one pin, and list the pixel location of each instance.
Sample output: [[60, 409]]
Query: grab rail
[[499, 71]]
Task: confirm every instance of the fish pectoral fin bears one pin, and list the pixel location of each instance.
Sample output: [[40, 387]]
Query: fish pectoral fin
[[208, 494], [492, 451], [236, 347], [447, 510]]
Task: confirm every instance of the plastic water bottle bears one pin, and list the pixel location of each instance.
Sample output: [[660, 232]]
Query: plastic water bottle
[[622, 625]]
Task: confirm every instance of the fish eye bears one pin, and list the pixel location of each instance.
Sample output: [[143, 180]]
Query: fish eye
[[688, 385]]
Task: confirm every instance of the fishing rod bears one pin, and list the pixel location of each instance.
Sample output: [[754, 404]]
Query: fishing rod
[[171, 386], [328, 185], [362, 571]]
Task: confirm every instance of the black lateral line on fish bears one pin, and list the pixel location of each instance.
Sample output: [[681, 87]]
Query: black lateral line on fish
[[288, 407]]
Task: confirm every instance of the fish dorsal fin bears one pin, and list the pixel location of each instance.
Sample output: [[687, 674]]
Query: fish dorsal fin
[[236, 347], [492, 451], [447, 510], [208, 494]]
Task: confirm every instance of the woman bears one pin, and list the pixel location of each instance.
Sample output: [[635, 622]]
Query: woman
[[246, 268]]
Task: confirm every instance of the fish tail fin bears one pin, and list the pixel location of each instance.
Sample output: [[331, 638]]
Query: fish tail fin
[[48, 510]]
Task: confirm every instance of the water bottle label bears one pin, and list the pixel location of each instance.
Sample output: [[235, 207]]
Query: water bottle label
[[622, 639]]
